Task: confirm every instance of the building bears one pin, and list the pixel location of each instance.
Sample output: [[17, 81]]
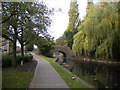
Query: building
[[4, 46]]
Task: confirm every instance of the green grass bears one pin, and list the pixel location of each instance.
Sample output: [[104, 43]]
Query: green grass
[[19, 76], [64, 74], [15, 79]]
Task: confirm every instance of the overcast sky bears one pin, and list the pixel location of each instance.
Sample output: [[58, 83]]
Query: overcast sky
[[60, 19]]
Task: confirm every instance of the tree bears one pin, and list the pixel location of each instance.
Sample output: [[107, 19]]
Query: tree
[[98, 33], [73, 23], [11, 36], [61, 41], [28, 19], [45, 45], [32, 23], [10, 29], [29, 47]]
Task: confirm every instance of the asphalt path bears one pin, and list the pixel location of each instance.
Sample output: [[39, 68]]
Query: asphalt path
[[46, 76]]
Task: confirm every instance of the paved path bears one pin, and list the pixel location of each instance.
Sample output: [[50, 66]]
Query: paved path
[[46, 76]]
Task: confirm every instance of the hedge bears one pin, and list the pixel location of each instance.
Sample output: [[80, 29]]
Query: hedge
[[7, 60]]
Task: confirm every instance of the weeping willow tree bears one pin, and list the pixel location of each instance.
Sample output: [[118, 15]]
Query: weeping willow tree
[[98, 34]]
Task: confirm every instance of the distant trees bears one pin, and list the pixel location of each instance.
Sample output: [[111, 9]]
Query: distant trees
[[29, 47], [98, 34], [61, 41], [45, 45], [74, 21]]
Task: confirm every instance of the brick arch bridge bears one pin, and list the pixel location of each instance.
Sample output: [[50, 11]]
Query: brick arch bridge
[[66, 51]]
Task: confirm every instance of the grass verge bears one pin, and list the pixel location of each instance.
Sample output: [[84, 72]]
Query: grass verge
[[64, 74], [16, 79], [19, 77]]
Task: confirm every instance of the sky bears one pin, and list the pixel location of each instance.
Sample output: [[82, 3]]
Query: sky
[[60, 18]]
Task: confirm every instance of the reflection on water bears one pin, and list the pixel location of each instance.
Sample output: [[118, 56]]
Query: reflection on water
[[100, 75]]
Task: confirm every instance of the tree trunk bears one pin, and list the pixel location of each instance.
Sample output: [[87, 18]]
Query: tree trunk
[[14, 53], [22, 50], [22, 45]]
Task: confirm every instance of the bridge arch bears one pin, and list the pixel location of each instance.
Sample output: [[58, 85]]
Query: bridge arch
[[66, 51]]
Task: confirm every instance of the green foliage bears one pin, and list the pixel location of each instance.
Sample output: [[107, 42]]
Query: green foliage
[[45, 46], [61, 41], [7, 60], [29, 47], [98, 34], [25, 21], [26, 58], [73, 23]]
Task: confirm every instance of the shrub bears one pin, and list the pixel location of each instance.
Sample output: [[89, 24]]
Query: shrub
[[7, 60], [27, 57], [18, 59]]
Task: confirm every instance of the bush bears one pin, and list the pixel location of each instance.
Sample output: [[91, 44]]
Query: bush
[[18, 59], [27, 57], [46, 53], [7, 60]]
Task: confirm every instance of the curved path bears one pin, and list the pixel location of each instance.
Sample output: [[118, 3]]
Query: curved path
[[45, 75]]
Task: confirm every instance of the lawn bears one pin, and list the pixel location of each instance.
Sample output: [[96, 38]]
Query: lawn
[[19, 77], [16, 79], [67, 76]]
